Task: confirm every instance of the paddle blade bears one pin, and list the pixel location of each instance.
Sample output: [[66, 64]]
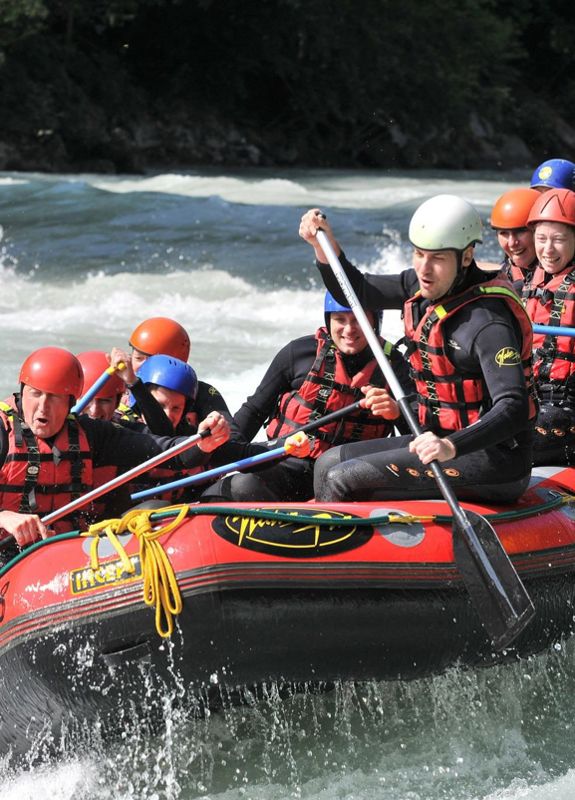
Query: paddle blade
[[494, 586]]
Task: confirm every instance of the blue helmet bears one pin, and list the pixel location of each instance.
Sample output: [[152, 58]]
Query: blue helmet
[[330, 304], [170, 373], [556, 173]]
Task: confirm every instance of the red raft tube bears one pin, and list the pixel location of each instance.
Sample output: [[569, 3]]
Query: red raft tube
[[198, 599]]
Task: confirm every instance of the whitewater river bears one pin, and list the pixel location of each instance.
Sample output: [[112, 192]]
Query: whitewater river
[[83, 260]]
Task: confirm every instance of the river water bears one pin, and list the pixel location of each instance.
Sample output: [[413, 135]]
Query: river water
[[83, 260]]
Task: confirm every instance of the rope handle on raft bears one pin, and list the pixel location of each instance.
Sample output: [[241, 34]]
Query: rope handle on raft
[[160, 588]]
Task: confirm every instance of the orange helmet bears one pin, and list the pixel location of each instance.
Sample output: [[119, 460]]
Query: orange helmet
[[557, 205], [161, 335], [511, 210], [53, 370], [94, 363]]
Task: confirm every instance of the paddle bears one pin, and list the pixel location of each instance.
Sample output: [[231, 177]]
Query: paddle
[[317, 423], [243, 463], [95, 388], [494, 586], [553, 330], [250, 461], [125, 477]]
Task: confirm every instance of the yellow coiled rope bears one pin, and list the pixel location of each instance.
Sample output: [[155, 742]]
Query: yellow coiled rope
[[160, 584]]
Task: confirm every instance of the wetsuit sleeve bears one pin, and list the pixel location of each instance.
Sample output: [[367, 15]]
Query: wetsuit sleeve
[[209, 399], [373, 291], [504, 381], [237, 447], [113, 444], [278, 379], [156, 418]]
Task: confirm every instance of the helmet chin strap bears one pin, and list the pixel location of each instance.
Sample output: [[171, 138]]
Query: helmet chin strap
[[459, 274]]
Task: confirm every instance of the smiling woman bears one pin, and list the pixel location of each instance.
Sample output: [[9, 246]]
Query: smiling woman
[[509, 220], [549, 296]]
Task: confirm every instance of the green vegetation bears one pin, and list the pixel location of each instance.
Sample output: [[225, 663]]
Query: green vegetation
[[127, 84]]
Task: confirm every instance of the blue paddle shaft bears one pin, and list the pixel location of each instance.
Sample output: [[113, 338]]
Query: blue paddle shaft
[[553, 330], [92, 391], [251, 461]]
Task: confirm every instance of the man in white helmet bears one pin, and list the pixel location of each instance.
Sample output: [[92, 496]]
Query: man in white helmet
[[470, 346]]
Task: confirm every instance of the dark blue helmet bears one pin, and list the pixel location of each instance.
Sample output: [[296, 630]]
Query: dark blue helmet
[[170, 373], [330, 304], [556, 173]]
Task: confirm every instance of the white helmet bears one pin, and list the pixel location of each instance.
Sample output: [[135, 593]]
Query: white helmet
[[445, 222]]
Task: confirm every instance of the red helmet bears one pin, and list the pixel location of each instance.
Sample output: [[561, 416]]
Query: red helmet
[[557, 205], [53, 370], [511, 210], [94, 363], [161, 335]]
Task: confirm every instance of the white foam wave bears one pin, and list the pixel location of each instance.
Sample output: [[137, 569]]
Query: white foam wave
[[562, 788], [342, 189]]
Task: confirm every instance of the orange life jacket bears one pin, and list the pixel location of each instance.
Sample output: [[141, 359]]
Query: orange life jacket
[[327, 388], [448, 400], [38, 477], [552, 303]]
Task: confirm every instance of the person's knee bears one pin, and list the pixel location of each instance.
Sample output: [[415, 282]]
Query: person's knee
[[325, 463], [218, 492], [239, 488], [330, 485]]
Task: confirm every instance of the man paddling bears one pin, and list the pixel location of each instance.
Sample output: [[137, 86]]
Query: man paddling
[[48, 455], [470, 352]]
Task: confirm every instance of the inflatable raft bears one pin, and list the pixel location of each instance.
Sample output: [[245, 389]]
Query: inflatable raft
[[198, 601]]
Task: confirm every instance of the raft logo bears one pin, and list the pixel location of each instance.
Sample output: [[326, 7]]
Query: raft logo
[[307, 535], [111, 573], [507, 357]]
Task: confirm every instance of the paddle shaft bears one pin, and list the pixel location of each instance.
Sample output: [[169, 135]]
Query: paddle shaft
[[317, 423], [95, 388], [250, 461], [553, 330], [475, 547], [243, 463], [155, 461]]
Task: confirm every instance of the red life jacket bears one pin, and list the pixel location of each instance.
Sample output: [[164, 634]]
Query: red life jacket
[[515, 274], [161, 474], [449, 401], [38, 477], [552, 303], [327, 388]]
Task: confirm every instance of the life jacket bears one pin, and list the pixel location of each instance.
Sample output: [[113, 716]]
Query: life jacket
[[516, 274], [38, 477], [159, 475], [327, 388], [552, 303], [449, 400]]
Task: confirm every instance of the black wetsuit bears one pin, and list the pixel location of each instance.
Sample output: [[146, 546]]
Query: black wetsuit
[[291, 478], [493, 455]]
